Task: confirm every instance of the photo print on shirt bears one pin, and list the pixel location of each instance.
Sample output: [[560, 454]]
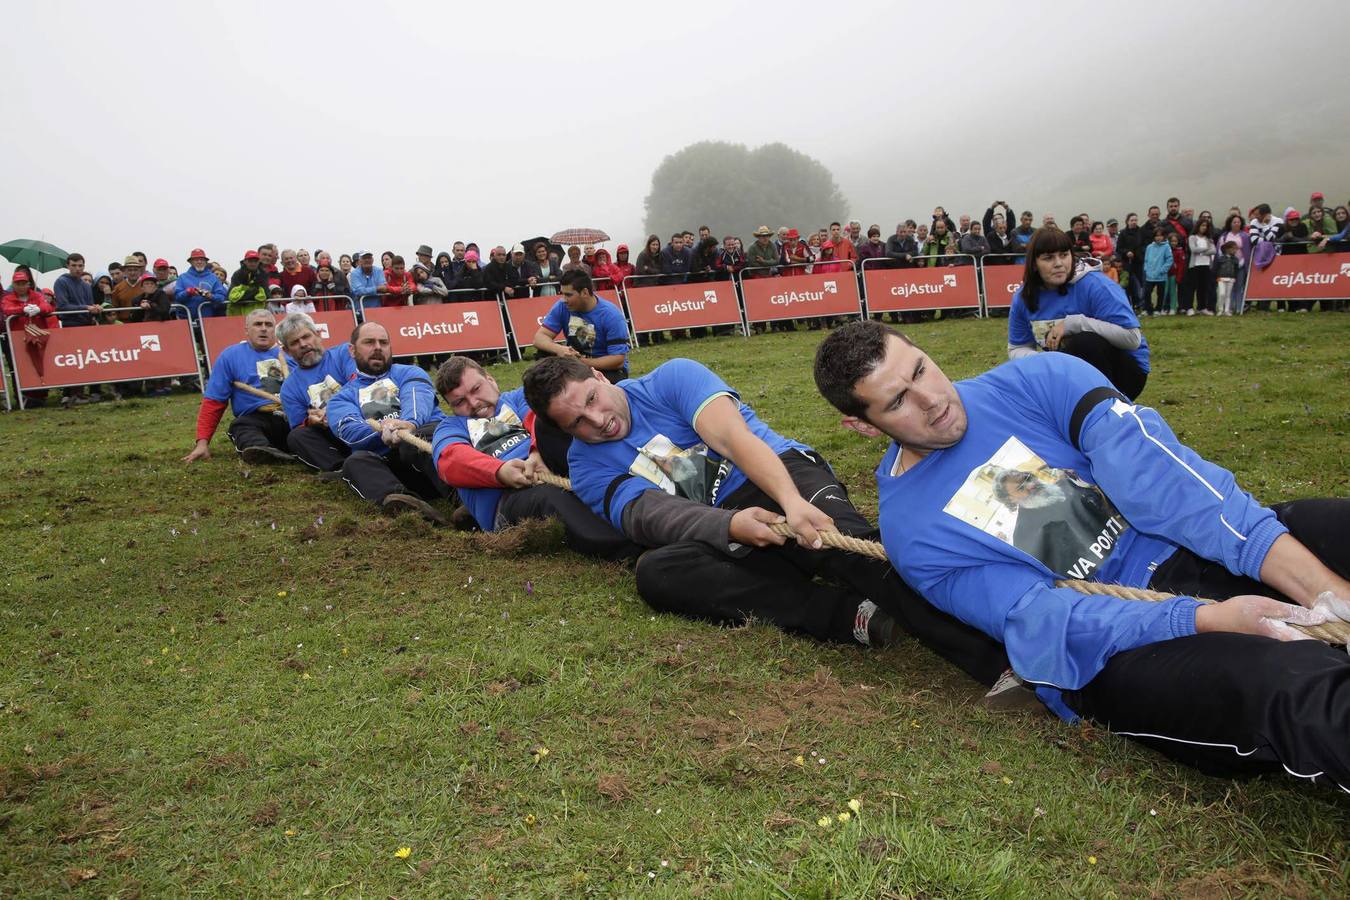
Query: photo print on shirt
[[498, 434], [321, 392], [379, 399], [581, 335], [687, 473], [270, 375], [1050, 514]]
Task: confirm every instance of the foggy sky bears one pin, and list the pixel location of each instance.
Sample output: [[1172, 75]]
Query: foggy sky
[[162, 127]]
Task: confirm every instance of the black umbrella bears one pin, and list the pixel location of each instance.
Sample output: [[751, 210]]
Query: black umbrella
[[553, 249]]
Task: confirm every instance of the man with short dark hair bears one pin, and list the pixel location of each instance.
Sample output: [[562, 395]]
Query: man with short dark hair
[[678, 463], [486, 451], [258, 431], [400, 400], [74, 296], [317, 375], [901, 246], [676, 260], [1116, 499], [593, 329]]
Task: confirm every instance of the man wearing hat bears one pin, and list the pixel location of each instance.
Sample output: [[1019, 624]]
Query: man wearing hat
[[1113, 232], [126, 294], [424, 256], [762, 252], [366, 281], [248, 285], [199, 289], [165, 276], [34, 316]]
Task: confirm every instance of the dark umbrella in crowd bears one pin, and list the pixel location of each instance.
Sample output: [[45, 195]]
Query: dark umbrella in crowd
[[553, 249], [580, 236], [39, 255]]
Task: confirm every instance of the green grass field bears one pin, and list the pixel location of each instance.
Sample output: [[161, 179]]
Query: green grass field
[[229, 681]]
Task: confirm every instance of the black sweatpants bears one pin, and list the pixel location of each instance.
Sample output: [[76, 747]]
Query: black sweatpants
[[584, 531], [1119, 367], [259, 429], [1237, 704], [552, 443], [316, 446], [779, 584], [403, 470]]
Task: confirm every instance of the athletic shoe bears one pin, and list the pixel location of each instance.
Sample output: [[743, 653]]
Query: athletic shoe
[[395, 504], [463, 519], [1011, 693], [873, 627], [263, 455], [1190, 312]]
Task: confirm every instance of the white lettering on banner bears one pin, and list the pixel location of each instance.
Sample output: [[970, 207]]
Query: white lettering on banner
[[1299, 278], [792, 297], [82, 358], [679, 306], [1013, 287], [710, 296], [150, 342], [422, 329], [949, 281], [471, 318]]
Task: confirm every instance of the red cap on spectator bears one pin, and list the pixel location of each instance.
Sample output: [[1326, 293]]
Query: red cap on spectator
[[20, 275], [197, 253], [147, 277], [793, 234], [251, 254], [1317, 195], [1292, 214], [161, 264]]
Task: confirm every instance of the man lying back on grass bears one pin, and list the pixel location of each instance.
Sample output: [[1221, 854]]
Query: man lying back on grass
[[994, 488]]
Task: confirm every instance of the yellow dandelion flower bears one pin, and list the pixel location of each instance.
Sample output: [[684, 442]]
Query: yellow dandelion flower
[[799, 760], [1006, 780], [855, 805], [1092, 860], [283, 594], [164, 651], [305, 677], [824, 822], [844, 817], [530, 820], [403, 852], [290, 832], [540, 752]]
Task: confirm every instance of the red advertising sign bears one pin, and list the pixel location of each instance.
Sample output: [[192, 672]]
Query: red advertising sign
[[1000, 283], [104, 353], [527, 314], [894, 290], [219, 332], [801, 296], [442, 327], [1318, 276], [663, 306]]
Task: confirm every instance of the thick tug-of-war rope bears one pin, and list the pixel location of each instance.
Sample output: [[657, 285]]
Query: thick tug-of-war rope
[[1331, 632], [257, 392]]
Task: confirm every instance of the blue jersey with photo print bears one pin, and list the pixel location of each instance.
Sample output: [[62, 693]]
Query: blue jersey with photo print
[[503, 437], [403, 392], [662, 451], [337, 364], [240, 362], [601, 332]]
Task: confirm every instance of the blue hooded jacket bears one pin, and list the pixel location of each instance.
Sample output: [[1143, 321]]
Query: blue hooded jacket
[[198, 305]]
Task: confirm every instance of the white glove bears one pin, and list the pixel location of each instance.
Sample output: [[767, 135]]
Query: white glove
[[32, 309]]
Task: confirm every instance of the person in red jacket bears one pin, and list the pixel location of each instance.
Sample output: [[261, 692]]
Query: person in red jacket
[[399, 286], [1100, 241], [34, 317], [602, 270], [621, 268]]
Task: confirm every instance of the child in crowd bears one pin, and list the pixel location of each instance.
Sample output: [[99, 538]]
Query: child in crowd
[[1225, 276], [276, 299], [1111, 267], [300, 302], [1157, 262], [1175, 273]]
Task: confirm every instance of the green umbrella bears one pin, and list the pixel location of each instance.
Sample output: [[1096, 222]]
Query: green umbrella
[[38, 255]]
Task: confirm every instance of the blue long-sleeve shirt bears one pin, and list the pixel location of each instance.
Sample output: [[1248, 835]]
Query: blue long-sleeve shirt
[[1059, 476], [73, 295], [364, 286], [207, 279], [403, 392]]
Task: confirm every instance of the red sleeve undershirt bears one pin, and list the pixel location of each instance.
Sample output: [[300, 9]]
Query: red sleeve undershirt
[[208, 417], [461, 466]]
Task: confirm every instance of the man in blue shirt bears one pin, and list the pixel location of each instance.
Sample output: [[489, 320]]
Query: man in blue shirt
[[677, 462], [366, 281], [317, 375], [486, 452], [259, 427], [400, 400], [996, 487], [593, 329]]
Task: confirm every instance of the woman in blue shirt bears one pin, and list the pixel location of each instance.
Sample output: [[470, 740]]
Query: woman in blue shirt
[[1069, 306]]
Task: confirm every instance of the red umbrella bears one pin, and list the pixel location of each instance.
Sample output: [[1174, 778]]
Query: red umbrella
[[580, 236]]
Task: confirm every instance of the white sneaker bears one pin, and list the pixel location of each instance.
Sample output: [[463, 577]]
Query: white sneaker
[[1190, 312], [1011, 692]]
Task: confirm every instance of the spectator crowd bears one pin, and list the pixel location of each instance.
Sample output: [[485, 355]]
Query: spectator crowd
[[1173, 261]]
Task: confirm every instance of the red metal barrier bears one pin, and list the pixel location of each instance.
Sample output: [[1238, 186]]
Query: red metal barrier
[[800, 295], [658, 307], [1316, 276], [442, 327], [917, 289]]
